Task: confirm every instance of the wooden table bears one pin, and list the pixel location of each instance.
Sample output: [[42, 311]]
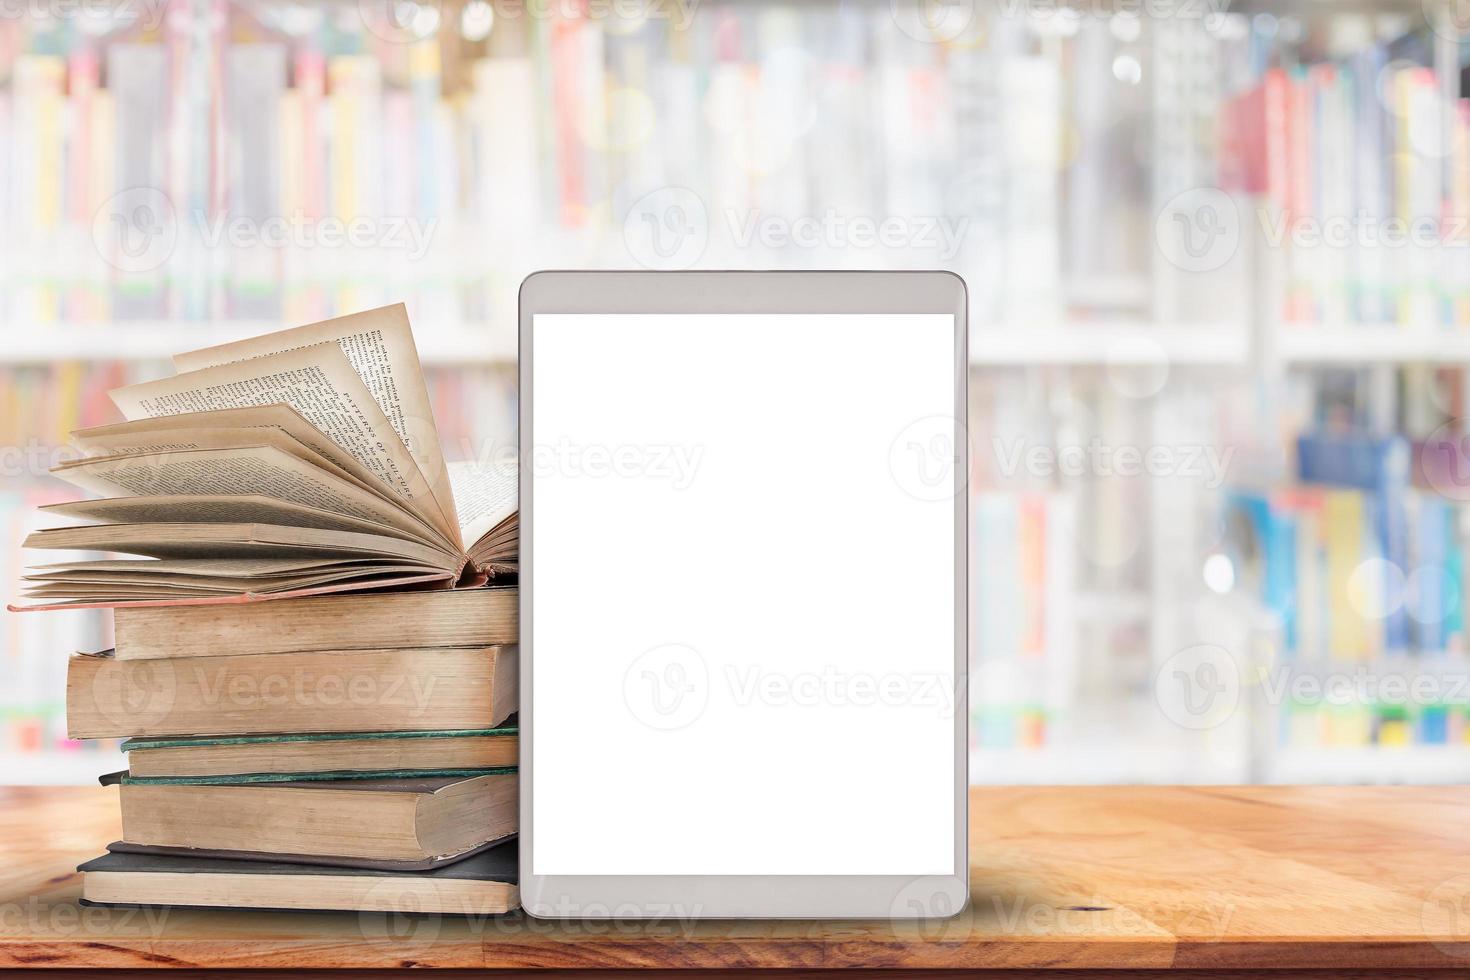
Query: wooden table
[[1063, 879]]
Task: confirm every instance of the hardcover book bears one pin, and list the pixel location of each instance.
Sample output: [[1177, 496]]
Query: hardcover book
[[411, 823], [321, 755], [483, 884]]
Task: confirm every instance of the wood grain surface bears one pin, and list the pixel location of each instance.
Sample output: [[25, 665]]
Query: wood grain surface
[[1147, 878]]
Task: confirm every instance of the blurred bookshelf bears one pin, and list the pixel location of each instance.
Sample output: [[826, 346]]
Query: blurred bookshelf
[[229, 167]]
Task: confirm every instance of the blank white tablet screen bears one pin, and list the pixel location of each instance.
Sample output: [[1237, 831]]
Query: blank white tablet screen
[[743, 594]]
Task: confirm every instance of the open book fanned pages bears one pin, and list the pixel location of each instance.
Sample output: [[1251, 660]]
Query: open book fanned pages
[[298, 463]]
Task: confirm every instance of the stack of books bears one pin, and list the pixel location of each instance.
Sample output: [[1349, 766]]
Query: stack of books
[[314, 660]]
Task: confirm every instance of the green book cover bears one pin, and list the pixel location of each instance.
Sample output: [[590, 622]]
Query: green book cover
[[176, 742], [303, 777]]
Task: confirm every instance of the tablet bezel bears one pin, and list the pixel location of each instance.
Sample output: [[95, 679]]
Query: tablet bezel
[[681, 898]]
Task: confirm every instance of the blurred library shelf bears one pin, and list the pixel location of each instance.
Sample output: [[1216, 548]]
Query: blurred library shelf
[[1350, 344], [438, 344], [1219, 272], [1108, 343]]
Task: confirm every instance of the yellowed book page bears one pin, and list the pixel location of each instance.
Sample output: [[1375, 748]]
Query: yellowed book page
[[317, 382], [196, 541], [167, 440], [379, 344], [105, 581], [279, 417], [260, 470], [221, 508], [243, 568], [487, 494]]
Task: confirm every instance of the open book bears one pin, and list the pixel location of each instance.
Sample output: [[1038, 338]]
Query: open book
[[297, 463]]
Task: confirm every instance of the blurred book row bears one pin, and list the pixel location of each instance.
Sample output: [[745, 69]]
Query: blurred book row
[[1360, 172], [232, 162]]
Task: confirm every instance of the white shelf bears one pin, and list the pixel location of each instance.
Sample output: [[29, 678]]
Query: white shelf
[[1141, 761], [1103, 343], [1125, 344], [1303, 343], [160, 340], [59, 768], [1377, 765]]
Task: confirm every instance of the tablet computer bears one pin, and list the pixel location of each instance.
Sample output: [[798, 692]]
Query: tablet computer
[[743, 601]]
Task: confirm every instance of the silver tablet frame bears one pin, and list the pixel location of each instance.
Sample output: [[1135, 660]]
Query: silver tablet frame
[[683, 898]]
